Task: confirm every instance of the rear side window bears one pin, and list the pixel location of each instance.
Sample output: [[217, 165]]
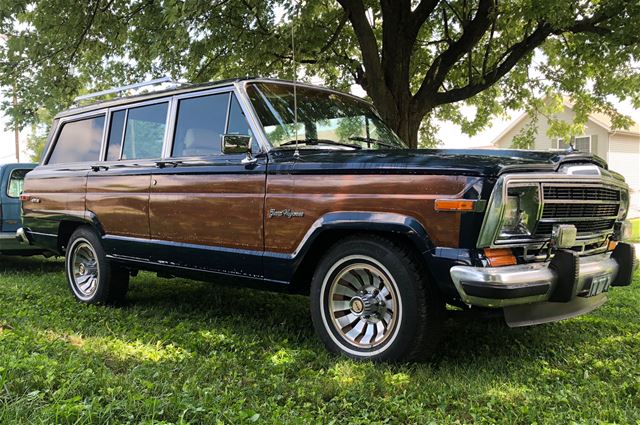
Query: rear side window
[[200, 123], [144, 131], [16, 183], [78, 141]]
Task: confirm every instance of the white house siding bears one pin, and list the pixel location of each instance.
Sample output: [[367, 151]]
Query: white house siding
[[624, 157], [544, 142]]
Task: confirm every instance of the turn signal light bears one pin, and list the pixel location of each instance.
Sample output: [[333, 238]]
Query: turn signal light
[[24, 197], [612, 245], [455, 205], [500, 257]]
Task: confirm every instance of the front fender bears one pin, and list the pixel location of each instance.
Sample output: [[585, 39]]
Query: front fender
[[281, 267]]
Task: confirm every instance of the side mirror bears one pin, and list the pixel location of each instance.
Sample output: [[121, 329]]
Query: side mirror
[[236, 143]]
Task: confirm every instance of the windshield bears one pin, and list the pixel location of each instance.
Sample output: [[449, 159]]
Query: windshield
[[326, 120]]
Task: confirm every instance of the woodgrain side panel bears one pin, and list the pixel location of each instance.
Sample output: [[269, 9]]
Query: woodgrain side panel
[[121, 203], [316, 195], [209, 209]]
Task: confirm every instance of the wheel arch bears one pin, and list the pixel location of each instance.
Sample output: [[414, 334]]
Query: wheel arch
[[333, 227], [69, 224]]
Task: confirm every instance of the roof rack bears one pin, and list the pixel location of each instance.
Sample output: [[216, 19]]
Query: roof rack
[[155, 82]]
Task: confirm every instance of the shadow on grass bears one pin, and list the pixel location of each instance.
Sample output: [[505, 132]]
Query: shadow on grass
[[185, 313], [34, 264]]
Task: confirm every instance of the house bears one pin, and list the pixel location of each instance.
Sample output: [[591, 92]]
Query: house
[[619, 147]]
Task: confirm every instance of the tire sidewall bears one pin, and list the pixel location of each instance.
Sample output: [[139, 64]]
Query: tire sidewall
[[86, 235], [389, 262]]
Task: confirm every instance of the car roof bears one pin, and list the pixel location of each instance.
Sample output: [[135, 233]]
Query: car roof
[[186, 88]]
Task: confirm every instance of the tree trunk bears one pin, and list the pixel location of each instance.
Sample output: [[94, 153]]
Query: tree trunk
[[404, 121]]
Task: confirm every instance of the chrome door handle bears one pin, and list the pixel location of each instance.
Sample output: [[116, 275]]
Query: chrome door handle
[[163, 164], [98, 167]]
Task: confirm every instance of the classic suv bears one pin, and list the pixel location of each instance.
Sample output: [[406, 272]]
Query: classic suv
[[304, 188]]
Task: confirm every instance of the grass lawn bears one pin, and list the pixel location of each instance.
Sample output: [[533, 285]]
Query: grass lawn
[[190, 352]]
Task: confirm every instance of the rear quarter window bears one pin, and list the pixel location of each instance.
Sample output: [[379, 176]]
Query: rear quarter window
[[78, 141]]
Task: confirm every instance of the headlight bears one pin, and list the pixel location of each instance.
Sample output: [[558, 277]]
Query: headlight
[[624, 204], [520, 212]]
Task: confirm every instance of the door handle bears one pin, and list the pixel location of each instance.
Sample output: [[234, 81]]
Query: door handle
[[163, 164], [98, 167]]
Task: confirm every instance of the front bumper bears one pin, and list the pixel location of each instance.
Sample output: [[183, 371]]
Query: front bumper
[[566, 280]]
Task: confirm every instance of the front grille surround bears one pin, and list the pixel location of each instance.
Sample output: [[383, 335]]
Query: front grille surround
[[592, 203]]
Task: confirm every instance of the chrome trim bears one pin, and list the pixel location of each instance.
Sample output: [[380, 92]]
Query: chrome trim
[[21, 236], [523, 275], [557, 219], [491, 225]]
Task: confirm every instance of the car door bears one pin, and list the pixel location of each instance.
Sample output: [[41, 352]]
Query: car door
[[12, 182], [206, 207], [118, 187]]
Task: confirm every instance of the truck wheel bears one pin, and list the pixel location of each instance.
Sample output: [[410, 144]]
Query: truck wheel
[[370, 299], [92, 278]]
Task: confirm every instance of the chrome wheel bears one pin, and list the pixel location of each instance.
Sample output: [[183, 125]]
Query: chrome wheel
[[84, 271], [363, 302]]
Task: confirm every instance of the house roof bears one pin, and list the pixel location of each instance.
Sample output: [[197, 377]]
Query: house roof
[[598, 118]]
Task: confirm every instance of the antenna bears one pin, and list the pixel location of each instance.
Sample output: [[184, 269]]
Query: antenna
[[296, 153]]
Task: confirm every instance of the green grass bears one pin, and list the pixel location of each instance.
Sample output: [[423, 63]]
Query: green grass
[[635, 230], [190, 352]]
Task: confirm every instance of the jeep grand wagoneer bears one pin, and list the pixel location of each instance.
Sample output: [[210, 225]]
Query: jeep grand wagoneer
[[239, 180]]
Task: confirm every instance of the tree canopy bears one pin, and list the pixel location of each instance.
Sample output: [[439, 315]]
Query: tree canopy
[[418, 61]]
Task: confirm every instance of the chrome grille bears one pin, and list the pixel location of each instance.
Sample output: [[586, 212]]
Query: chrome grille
[[583, 227], [581, 193], [579, 210], [593, 209]]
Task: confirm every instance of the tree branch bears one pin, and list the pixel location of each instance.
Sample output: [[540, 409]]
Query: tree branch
[[507, 62], [420, 14], [373, 80], [335, 35], [472, 33]]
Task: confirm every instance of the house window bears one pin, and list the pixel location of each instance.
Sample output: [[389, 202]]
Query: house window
[[581, 143]]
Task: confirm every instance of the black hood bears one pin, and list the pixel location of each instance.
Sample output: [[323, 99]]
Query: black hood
[[472, 162]]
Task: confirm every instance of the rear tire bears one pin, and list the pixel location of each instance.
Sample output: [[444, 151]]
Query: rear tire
[[371, 299], [93, 279]]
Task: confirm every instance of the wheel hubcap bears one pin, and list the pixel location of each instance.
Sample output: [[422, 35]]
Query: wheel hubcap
[[84, 269], [363, 305]]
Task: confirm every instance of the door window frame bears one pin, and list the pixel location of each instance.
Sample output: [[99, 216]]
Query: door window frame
[[105, 137], [174, 119]]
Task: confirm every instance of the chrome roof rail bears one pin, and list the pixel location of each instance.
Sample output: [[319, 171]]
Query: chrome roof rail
[[121, 89]]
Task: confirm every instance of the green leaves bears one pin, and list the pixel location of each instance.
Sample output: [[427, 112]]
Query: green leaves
[[425, 60]]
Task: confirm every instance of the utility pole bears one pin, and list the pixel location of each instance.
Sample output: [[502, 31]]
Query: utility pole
[[16, 130]]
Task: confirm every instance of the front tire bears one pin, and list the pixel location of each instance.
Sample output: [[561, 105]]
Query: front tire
[[90, 275], [370, 299]]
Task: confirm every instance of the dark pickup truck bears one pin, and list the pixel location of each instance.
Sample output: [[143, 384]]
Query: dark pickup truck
[[301, 188]]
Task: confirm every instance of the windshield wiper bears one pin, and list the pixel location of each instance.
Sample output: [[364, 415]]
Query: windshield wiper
[[315, 142], [371, 140]]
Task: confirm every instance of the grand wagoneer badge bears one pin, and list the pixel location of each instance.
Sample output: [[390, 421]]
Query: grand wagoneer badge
[[285, 213]]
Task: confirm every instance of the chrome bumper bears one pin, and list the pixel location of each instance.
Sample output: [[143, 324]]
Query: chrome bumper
[[548, 291], [523, 283], [22, 237]]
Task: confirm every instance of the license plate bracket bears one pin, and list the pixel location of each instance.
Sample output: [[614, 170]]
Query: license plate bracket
[[599, 285]]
